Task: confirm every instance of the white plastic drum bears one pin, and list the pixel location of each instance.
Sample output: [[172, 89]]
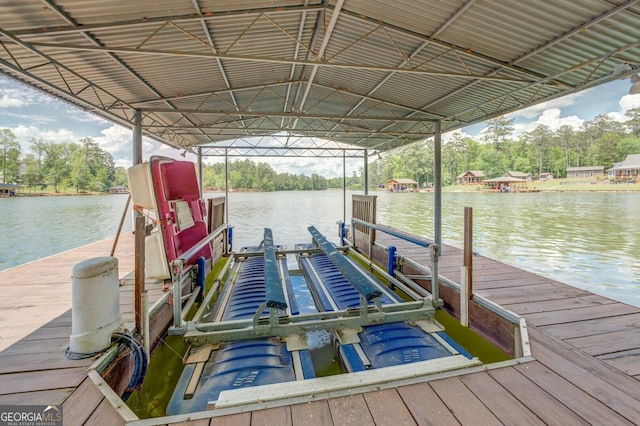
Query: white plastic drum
[[95, 311]]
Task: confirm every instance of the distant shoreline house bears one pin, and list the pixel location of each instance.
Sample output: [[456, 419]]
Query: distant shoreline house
[[119, 190], [402, 185], [506, 184], [627, 171], [8, 189], [527, 177], [545, 176], [470, 177], [585, 172]]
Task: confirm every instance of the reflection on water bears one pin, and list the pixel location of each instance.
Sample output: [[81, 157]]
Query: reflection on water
[[589, 240], [35, 227]]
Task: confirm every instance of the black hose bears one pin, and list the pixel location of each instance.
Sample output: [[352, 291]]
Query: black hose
[[140, 365]]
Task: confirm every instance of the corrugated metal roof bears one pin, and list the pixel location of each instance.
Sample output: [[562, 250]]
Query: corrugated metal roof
[[373, 74]]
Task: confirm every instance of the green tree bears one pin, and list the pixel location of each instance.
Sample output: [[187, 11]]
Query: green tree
[[91, 168], [605, 150], [120, 177], [498, 130], [10, 157], [540, 140], [32, 176], [566, 139], [38, 147], [633, 122], [55, 165], [628, 145], [493, 162]]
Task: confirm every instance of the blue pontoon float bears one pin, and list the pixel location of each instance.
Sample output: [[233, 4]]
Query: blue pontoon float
[[337, 283], [254, 285]]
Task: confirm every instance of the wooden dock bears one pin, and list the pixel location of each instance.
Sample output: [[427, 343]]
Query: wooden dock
[[586, 349]]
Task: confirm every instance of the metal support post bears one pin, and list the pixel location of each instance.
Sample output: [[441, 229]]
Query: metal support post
[[177, 269], [366, 172], [437, 193]]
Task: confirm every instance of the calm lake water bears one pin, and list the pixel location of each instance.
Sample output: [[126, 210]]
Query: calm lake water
[[588, 240]]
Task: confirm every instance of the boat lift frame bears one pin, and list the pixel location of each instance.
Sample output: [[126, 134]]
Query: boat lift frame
[[282, 325]]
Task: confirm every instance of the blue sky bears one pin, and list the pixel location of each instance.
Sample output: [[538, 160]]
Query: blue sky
[[29, 113]]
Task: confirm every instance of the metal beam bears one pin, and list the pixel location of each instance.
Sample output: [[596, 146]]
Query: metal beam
[[257, 114], [184, 18], [354, 133], [274, 60], [280, 152], [236, 90]]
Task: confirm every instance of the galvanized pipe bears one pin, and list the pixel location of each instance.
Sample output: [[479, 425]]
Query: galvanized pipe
[[437, 190]]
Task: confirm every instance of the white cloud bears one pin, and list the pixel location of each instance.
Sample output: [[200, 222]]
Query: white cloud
[[26, 96], [446, 137], [559, 103], [82, 116], [626, 103], [7, 101], [25, 133], [550, 117], [118, 141], [553, 120], [28, 117]]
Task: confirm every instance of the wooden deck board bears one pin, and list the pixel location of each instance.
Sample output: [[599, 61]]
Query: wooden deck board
[[571, 395], [530, 294], [536, 399], [580, 314], [625, 361], [463, 404], [602, 344], [79, 407], [311, 413], [39, 361], [350, 410], [104, 414], [41, 380], [386, 408], [595, 326], [604, 371], [53, 396], [557, 305], [592, 384], [425, 406], [272, 416], [507, 408], [36, 346]]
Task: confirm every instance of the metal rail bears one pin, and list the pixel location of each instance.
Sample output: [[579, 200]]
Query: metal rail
[[434, 252], [422, 242], [178, 267]]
